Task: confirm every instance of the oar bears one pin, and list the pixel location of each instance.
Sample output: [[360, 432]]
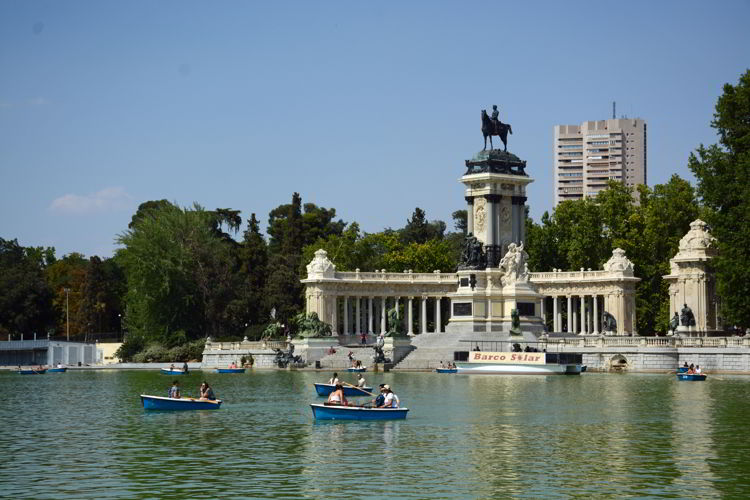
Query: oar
[[359, 389]]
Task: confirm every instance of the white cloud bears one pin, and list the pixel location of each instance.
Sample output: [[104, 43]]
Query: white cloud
[[106, 200]]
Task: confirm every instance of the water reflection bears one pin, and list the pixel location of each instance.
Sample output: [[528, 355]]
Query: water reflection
[[85, 435]]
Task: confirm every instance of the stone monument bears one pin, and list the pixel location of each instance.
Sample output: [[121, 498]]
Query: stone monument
[[493, 278], [692, 283]]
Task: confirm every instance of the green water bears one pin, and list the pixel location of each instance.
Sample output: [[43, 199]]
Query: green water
[[85, 435]]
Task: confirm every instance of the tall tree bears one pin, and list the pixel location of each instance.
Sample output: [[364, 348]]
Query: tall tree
[[723, 173], [253, 258], [25, 296], [419, 230]]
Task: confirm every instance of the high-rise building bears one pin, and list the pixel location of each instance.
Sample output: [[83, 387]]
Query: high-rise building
[[590, 155]]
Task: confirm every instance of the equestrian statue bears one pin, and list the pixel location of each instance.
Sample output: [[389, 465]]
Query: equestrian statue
[[493, 126]]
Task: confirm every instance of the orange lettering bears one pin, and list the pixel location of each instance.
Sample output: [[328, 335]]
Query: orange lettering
[[477, 356]]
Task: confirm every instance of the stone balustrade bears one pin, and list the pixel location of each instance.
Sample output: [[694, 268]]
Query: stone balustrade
[[676, 342]]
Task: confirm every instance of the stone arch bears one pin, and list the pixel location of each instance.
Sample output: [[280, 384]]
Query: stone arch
[[618, 363]]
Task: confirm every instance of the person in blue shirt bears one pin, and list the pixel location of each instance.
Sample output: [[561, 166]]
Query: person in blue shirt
[[380, 399], [174, 391]]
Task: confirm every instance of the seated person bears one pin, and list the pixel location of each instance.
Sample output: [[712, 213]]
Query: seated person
[[174, 391], [337, 397], [380, 398], [391, 400], [697, 369], [361, 381], [206, 392], [334, 380]]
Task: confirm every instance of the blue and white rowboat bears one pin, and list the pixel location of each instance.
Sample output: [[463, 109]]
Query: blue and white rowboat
[[160, 403], [330, 412], [56, 370], [167, 371], [693, 377], [446, 370], [32, 372], [230, 370], [362, 369], [327, 389]]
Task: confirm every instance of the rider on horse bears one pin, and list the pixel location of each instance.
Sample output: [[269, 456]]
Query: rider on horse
[[495, 118]]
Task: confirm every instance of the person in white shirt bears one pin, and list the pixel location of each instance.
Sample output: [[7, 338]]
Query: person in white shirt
[[697, 369], [361, 381], [335, 379], [391, 400]]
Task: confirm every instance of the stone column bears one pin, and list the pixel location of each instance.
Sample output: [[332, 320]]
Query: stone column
[[596, 315], [555, 314], [575, 313], [423, 320], [382, 314], [582, 312], [469, 215], [369, 314], [542, 312], [357, 315], [346, 315], [410, 326], [335, 314], [570, 314], [438, 319]]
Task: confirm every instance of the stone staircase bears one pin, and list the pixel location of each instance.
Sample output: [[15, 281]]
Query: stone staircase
[[340, 360]]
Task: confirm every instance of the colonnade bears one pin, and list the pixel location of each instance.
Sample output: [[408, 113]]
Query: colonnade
[[581, 313], [353, 315]]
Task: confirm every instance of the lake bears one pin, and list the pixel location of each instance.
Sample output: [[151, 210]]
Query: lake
[[84, 434]]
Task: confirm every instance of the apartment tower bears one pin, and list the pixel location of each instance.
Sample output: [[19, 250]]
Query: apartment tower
[[590, 155]]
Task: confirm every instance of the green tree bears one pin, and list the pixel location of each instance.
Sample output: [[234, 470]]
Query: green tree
[[419, 230], [723, 174], [25, 296], [253, 259], [68, 273]]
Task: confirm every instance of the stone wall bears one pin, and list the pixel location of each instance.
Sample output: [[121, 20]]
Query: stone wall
[[640, 359]]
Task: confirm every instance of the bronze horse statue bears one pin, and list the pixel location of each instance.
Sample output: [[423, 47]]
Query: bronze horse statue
[[490, 128]]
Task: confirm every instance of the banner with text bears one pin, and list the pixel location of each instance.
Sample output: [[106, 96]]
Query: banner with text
[[533, 358]]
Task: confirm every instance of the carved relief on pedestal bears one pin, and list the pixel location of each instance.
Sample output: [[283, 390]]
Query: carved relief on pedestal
[[480, 215]]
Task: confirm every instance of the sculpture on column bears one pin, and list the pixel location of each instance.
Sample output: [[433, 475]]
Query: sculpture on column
[[493, 126], [472, 255], [395, 326], [609, 323], [686, 316]]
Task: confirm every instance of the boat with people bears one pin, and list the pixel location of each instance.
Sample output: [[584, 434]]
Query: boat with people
[[358, 369], [57, 370], [692, 377], [230, 370], [336, 412], [164, 403], [446, 370], [173, 371], [521, 363], [349, 390]]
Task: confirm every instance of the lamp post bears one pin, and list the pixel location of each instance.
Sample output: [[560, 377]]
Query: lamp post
[[67, 313], [119, 320]]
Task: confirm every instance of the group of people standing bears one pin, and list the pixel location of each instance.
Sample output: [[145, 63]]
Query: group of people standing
[[204, 390]]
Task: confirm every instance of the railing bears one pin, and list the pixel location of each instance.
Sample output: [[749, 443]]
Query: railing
[[572, 275], [405, 277], [235, 346], [17, 345], [589, 341]]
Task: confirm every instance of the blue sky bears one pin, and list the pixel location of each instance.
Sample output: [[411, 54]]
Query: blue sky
[[367, 107]]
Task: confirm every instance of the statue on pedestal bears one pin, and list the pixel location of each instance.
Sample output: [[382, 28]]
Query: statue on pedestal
[[514, 265], [609, 323], [687, 318], [472, 256], [674, 323], [515, 322], [493, 126]]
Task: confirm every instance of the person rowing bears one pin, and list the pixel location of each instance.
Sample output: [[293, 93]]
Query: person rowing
[[361, 381], [337, 397], [334, 380]]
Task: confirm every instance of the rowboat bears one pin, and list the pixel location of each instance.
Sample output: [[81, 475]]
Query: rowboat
[[56, 370], [330, 412], [161, 403], [446, 370], [521, 363], [31, 372], [327, 389], [230, 370], [175, 371], [694, 377], [359, 370]]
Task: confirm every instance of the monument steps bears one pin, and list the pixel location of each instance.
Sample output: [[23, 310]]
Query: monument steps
[[340, 360]]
